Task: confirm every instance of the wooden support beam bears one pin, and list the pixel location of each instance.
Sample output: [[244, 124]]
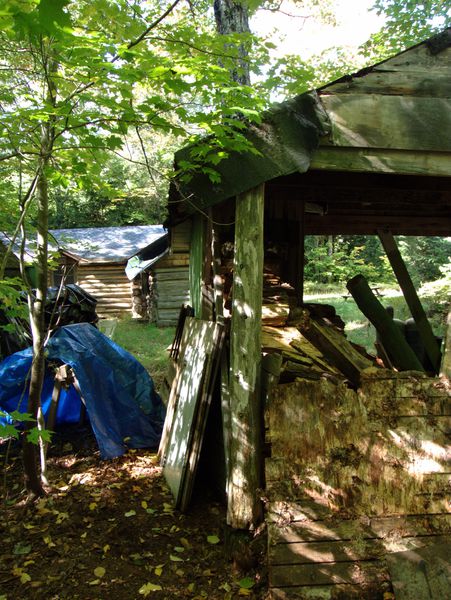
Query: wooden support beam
[[413, 302], [244, 507], [392, 339]]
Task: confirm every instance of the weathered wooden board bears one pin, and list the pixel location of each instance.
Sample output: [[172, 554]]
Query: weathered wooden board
[[198, 340], [362, 573], [359, 451], [385, 528], [356, 549], [413, 302], [379, 121], [396, 83], [386, 160]]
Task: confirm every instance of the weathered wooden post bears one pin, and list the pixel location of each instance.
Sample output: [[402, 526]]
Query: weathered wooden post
[[244, 508]]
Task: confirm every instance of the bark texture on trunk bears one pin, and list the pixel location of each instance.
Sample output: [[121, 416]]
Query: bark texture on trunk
[[233, 17]]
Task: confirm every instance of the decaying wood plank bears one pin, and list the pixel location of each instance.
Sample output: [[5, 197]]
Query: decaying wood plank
[[387, 121], [327, 592], [244, 506], [337, 348], [387, 160], [342, 551], [395, 527], [360, 573]]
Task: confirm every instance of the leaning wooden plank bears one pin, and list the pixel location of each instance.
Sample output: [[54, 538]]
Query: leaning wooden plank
[[200, 418], [244, 506], [402, 275], [394, 342], [336, 348], [202, 338], [324, 592]]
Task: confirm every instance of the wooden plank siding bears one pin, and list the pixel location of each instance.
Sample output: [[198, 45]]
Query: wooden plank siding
[[367, 473]]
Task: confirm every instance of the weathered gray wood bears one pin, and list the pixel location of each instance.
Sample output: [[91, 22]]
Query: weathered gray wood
[[400, 352], [245, 360], [338, 551], [411, 297], [386, 160], [324, 592], [397, 83], [375, 528], [379, 121], [445, 368], [336, 348]]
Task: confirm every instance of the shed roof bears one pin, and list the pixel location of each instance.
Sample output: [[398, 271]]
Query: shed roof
[[391, 118], [108, 244]]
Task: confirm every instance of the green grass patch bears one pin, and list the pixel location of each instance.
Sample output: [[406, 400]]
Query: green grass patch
[[148, 344]]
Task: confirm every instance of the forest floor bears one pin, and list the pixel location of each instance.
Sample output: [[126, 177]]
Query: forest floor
[[108, 530]]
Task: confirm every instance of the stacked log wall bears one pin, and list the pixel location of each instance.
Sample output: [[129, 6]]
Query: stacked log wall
[[169, 288], [109, 285]]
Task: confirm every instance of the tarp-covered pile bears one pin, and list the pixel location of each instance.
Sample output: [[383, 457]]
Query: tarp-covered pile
[[122, 405]]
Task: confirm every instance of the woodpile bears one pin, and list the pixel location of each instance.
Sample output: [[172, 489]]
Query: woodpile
[[310, 340]]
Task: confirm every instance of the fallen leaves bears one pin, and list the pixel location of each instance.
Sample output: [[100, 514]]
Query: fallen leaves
[[149, 587]]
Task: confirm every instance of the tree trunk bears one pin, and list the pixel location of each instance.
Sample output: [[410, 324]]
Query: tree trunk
[[233, 17], [37, 303], [37, 322]]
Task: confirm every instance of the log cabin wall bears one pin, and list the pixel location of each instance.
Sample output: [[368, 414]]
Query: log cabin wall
[[109, 285], [169, 279]]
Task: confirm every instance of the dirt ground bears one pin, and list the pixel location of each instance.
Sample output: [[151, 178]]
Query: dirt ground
[[108, 530]]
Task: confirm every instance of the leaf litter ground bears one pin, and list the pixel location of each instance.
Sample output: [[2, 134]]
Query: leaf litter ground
[[108, 530]]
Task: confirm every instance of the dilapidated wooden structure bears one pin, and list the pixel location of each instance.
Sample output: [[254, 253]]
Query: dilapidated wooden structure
[[349, 473], [95, 258]]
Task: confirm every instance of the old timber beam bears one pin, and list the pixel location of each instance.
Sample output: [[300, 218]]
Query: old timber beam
[[413, 302], [244, 507]]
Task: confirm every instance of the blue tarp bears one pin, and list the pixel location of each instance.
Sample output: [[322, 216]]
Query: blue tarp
[[123, 407]]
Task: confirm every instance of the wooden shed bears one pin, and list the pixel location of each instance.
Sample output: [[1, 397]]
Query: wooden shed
[[353, 477], [95, 258]]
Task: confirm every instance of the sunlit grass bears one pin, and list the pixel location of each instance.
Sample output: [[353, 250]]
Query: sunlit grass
[[148, 344]]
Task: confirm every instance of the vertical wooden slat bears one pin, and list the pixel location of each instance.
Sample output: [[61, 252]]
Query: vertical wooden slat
[[410, 294], [196, 264], [245, 361]]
